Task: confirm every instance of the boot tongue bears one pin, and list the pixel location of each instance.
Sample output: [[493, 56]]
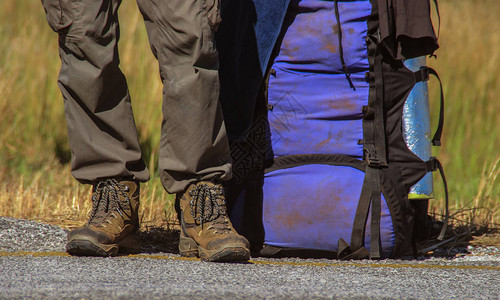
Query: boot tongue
[[207, 203], [106, 198]]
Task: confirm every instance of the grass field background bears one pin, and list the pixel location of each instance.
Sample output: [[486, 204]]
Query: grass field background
[[35, 181]]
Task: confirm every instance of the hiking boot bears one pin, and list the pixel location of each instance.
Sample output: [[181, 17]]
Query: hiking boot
[[206, 230], [113, 225]]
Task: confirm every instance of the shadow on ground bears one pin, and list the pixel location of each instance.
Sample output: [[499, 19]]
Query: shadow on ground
[[158, 239]]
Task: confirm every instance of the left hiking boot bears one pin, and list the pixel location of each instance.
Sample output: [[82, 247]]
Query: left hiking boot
[[206, 230], [113, 224]]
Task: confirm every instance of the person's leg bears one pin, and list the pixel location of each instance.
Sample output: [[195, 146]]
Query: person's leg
[[194, 143], [194, 151], [101, 128]]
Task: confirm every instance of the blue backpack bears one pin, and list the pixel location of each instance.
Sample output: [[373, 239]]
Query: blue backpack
[[313, 102]]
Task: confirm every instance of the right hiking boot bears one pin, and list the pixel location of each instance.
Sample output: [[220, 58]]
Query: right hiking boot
[[113, 224], [206, 230]]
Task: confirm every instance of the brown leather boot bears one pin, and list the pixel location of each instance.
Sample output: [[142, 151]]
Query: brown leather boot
[[113, 225], [206, 230]]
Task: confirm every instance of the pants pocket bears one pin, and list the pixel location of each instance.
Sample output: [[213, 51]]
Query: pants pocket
[[59, 14], [212, 8]]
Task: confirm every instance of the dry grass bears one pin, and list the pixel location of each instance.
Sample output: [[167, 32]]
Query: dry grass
[[35, 181], [68, 204], [467, 63]]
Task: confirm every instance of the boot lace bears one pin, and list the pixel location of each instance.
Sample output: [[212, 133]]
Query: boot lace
[[105, 198], [208, 205]]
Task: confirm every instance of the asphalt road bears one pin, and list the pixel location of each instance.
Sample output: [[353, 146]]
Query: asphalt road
[[33, 265]]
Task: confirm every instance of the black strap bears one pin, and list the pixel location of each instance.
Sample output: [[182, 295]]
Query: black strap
[[296, 160], [270, 250], [361, 216], [341, 50], [436, 140], [432, 165], [378, 106], [370, 195], [423, 75], [439, 17], [376, 212], [374, 154], [344, 251], [374, 141]]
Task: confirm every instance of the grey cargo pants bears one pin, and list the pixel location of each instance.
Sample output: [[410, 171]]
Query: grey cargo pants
[[101, 127]]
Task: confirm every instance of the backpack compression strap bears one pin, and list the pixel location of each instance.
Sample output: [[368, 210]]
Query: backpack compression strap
[[432, 165], [439, 17], [375, 157], [374, 143], [423, 75], [370, 195]]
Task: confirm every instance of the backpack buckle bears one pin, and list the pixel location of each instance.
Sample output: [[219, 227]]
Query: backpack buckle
[[432, 164], [371, 156], [422, 74]]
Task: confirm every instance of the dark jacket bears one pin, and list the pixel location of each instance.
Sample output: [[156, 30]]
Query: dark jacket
[[406, 28]]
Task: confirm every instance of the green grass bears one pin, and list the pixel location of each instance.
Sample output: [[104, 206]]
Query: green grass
[[468, 66], [34, 151]]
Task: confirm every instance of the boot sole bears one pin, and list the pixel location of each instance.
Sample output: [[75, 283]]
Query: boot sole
[[188, 247], [229, 253], [85, 246]]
